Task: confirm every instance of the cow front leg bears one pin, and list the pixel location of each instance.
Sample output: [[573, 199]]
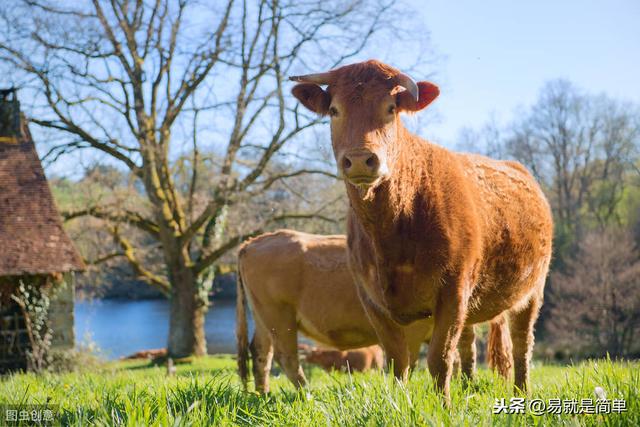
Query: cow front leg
[[416, 334], [392, 340], [521, 325], [449, 322], [467, 350], [414, 354], [499, 348]]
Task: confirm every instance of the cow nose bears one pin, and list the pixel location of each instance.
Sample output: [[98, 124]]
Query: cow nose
[[361, 166]]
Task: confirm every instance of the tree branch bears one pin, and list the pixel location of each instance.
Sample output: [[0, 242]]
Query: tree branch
[[204, 216], [103, 258], [159, 282], [125, 216], [272, 179]]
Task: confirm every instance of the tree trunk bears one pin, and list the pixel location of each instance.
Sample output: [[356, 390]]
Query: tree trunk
[[186, 322]]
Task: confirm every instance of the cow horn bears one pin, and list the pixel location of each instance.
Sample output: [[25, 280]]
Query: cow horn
[[409, 84], [317, 78]]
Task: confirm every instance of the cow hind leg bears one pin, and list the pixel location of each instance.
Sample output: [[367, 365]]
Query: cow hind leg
[[284, 333], [262, 355], [521, 323], [467, 350]]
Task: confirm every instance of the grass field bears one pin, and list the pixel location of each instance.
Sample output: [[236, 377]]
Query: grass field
[[207, 392]]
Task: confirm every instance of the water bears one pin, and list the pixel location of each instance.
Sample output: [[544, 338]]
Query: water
[[120, 328]]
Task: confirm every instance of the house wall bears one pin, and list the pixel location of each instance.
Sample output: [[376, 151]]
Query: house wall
[[14, 340], [61, 317]]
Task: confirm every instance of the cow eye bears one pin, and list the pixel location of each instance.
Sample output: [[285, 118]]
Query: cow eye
[[333, 111], [392, 109]]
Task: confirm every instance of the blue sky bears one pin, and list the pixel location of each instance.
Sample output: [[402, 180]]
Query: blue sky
[[495, 55], [498, 54]]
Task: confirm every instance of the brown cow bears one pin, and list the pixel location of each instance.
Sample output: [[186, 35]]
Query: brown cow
[[431, 232], [357, 360], [367, 358], [297, 281], [156, 353]]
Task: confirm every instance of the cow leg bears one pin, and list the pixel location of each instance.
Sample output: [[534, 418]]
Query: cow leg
[[467, 350], [455, 369], [414, 354], [261, 354], [290, 363], [284, 332], [392, 340], [499, 348], [521, 325], [416, 334], [449, 322]]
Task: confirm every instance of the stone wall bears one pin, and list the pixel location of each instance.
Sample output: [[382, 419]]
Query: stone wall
[[61, 317]]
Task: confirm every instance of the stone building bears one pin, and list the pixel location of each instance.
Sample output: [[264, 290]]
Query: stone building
[[34, 247]]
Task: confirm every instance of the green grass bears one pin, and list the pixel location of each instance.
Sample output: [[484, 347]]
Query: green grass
[[207, 392]]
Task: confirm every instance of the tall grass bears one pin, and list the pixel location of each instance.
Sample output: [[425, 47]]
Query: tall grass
[[207, 392]]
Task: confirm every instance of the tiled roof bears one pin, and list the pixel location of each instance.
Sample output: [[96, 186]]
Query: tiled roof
[[32, 240]]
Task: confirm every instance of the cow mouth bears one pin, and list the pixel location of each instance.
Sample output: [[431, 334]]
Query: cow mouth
[[365, 186], [363, 180]]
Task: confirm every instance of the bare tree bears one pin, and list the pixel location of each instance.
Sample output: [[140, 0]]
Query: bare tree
[[581, 148], [597, 301], [144, 82], [108, 270], [488, 140]]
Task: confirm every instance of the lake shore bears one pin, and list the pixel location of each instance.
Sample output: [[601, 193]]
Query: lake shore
[[122, 327]]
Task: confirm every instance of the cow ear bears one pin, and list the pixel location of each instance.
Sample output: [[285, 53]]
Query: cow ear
[[428, 92], [313, 97]]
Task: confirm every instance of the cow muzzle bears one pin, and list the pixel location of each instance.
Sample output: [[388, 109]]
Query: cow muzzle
[[361, 167]]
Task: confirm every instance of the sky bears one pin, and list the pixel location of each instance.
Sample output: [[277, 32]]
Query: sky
[[495, 55], [498, 54]]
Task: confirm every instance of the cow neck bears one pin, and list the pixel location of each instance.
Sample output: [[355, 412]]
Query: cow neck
[[379, 210]]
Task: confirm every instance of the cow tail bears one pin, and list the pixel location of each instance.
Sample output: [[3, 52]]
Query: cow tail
[[499, 347], [242, 330]]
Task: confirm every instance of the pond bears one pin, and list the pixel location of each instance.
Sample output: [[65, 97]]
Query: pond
[[120, 328]]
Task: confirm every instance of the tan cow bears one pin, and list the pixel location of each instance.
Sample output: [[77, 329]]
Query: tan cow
[[301, 282], [431, 232], [357, 360]]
